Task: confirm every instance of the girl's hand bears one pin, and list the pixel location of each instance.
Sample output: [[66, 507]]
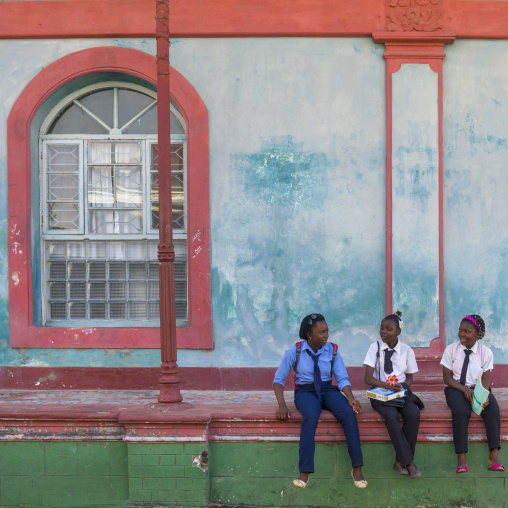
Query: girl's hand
[[357, 408], [469, 394], [283, 413], [485, 404], [396, 387]]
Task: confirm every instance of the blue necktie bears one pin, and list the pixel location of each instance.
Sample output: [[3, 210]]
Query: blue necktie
[[317, 374]]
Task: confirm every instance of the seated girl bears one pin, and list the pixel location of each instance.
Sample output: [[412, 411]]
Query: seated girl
[[464, 363], [314, 391], [390, 358]]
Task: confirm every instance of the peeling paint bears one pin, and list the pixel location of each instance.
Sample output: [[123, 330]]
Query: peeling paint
[[15, 278], [201, 460]]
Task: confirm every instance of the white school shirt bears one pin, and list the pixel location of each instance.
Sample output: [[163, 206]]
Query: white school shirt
[[480, 361], [403, 360]]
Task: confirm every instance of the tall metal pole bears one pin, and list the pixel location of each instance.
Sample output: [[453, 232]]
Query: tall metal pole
[[169, 382]]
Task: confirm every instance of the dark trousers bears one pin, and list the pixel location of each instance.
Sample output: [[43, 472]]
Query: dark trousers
[[307, 402], [461, 413], [403, 439]]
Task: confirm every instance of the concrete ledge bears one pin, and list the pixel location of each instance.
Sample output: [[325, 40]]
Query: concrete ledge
[[204, 417]]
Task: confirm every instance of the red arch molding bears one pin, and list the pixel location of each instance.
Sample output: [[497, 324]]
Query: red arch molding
[[23, 333]]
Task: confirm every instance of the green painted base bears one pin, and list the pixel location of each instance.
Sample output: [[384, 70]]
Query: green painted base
[[118, 474], [262, 474]]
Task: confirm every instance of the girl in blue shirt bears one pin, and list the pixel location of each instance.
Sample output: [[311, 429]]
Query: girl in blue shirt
[[314, 391]]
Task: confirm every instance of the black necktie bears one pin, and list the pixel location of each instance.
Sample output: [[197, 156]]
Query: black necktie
[[317, 374], [463, 372], [388, 361]]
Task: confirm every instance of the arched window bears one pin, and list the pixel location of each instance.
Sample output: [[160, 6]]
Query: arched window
[[100, 215], [83, 205]]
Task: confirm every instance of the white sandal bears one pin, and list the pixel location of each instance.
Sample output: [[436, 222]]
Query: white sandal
[[361, 484], [300, 483]]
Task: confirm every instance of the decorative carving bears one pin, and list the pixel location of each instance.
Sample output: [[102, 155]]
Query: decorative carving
[[414, 15], [166, 252]]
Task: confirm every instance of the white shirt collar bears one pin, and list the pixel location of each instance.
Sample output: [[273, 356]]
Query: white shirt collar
[[474, 349], [384, 345]]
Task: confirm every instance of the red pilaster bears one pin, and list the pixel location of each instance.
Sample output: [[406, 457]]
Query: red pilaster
[[414, 48], [169, 381]]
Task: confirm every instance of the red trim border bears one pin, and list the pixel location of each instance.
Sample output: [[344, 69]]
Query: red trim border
[[23, 333], [234, 18]]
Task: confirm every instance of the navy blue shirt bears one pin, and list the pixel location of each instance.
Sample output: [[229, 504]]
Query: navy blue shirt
[[305, 369]]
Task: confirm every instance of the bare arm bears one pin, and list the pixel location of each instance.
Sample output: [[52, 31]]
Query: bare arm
[[357, 408], [486, 385], [372, 381], [282, 412], [453, 383]]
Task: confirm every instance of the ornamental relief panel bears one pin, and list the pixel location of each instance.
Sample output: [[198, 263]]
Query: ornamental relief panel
[[414, 15]]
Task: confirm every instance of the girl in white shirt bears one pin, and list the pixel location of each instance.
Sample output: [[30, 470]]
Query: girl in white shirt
[[465, 362], [386, 358]]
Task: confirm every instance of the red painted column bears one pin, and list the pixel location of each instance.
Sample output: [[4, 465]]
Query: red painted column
[[169, 381]]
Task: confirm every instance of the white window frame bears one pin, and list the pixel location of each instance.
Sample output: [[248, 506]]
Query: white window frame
[[82, 140]]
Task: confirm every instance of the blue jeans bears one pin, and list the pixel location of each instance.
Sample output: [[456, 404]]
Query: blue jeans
[[307, 402]]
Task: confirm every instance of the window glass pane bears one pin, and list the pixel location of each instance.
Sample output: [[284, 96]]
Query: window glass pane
[[101, 185], [97, 290], [74, 120], [77, 310], [76, 250], [117, 310], [57, 311], [137, 310], [63, 187], [137, 270], [56, 250], [130, 104], [119, 222], [136, 250], [100, 104], [63, 158], [96, 250], [62, 182], [57, 291], [117, 270], [176, 157], [117, 290], [77, 290], [177, 186], [146, 124], [97, 310], [57, 270], [63, 216], [109, 289], [100, 152], [129, 187]]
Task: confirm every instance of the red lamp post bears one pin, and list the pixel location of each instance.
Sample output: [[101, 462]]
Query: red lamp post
[[169, 382]]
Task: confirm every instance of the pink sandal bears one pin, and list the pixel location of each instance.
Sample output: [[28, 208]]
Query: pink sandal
[[462, 469], [496, 467]]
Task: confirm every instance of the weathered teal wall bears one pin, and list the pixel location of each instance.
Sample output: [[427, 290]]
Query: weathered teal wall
[[297, 188], [475, 188], [297, 159], [415, 201]]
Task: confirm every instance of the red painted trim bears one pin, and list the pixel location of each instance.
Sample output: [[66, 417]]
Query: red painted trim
[[429, 378], [198, 334], [234, 18], [191, 18], [389, 202], [423, 48]]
